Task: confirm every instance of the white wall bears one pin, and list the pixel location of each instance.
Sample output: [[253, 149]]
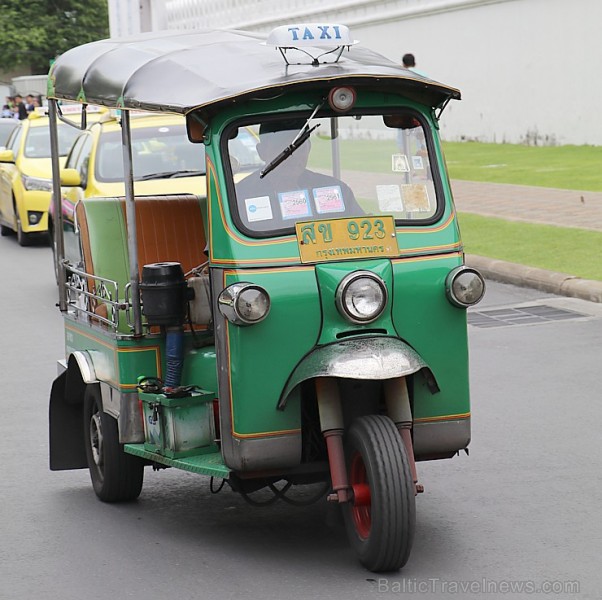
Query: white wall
[[527, 69], [524, 67], [128, 17]]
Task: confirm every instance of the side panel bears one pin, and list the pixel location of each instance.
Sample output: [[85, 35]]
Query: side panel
[[254, 364], [116, 362], [425, 319]]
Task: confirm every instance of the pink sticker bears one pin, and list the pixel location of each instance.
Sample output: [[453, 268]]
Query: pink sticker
[[294, 205], [329, 199]]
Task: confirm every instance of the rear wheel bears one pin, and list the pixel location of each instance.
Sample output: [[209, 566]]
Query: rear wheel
[[381, 518], [116, 476], [4, 230]]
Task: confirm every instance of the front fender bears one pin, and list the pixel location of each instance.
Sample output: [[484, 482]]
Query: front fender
[[360, 358]]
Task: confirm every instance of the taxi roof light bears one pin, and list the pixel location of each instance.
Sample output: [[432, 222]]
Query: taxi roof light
[[333, 38]]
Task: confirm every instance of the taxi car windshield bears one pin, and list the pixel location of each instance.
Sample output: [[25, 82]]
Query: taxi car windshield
[[350, 166], [37, 143], [157, 153]]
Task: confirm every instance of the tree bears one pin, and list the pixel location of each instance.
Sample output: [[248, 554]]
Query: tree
[[34, 32]]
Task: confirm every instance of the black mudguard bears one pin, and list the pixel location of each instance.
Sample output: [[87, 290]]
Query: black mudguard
[[67, 450]]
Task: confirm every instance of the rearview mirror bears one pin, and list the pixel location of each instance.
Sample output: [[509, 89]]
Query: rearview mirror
[[70, 178], [196, 128], [7, 156], [401, 121]]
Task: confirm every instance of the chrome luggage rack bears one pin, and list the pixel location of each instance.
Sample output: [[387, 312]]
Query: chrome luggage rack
[[87, 292]]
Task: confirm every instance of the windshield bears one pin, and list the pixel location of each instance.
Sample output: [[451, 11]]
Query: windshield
[[350, 166], [157, 152], [37, 143], [6, 128]]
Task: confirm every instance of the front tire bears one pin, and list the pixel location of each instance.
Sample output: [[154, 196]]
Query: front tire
[[381, 518], [116, 476], [23, 238], [5, 231]]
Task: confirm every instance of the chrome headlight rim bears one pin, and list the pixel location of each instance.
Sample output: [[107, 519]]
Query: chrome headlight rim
[[453, 276], [341, 294], [228, 303]]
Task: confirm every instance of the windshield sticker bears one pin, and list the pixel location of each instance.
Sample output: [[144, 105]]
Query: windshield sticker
[[389, 198], [417, 163], [329, 199], [294, 205], [258, 209], [399, 163], [416, 197]]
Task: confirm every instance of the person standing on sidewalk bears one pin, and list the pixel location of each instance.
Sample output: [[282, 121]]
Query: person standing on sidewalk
[[409, 62], [20, 108]]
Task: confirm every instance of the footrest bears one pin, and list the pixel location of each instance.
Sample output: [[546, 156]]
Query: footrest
[[204, 464]]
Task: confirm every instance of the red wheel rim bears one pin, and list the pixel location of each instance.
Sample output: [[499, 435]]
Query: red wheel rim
[[360, 511]]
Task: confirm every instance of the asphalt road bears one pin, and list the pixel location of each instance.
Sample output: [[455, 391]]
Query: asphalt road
[[521, 512]]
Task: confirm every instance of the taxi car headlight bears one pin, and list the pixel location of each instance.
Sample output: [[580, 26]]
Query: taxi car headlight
[[361, 297], [464, 286], [34, 216], [36, 184], [244, 303]]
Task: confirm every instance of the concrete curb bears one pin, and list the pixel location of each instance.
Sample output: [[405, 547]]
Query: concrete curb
[[561, 284]]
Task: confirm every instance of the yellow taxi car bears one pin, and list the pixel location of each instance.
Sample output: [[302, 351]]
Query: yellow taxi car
[[25, 177], [164, 161]]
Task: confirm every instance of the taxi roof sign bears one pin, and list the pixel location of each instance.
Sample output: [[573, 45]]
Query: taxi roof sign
[[298, 36], [310, 34]]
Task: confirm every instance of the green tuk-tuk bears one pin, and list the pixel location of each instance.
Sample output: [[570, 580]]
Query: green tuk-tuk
[[300, 321]]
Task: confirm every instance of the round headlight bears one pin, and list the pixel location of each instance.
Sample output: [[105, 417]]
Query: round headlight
[[361, 297], [244, 303], [464, 286]]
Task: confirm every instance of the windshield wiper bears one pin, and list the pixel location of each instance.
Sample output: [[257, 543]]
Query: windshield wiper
[[296, 143], [187, 173], [299, 140], [169, 175]]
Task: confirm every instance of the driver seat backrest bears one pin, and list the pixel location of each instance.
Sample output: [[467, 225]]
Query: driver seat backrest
[[169, 228]]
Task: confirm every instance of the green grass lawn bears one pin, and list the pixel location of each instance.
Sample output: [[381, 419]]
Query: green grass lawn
[[567, 250], [564, 249], [574, 251], [565, 167]]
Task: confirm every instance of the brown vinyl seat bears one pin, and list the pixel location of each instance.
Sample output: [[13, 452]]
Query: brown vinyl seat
[[169, 228]]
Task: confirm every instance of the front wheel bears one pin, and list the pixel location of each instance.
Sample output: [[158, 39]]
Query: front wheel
[[5, 231], [381, 517], [116, 476], [24, 239]]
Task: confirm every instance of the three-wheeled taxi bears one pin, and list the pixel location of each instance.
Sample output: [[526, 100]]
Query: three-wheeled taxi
[[300, 321]]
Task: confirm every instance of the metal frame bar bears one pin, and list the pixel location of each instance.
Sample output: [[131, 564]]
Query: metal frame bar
[[130, 211], [57, 203]]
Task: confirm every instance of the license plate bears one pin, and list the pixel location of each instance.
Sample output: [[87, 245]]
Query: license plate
[[347, 239]]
